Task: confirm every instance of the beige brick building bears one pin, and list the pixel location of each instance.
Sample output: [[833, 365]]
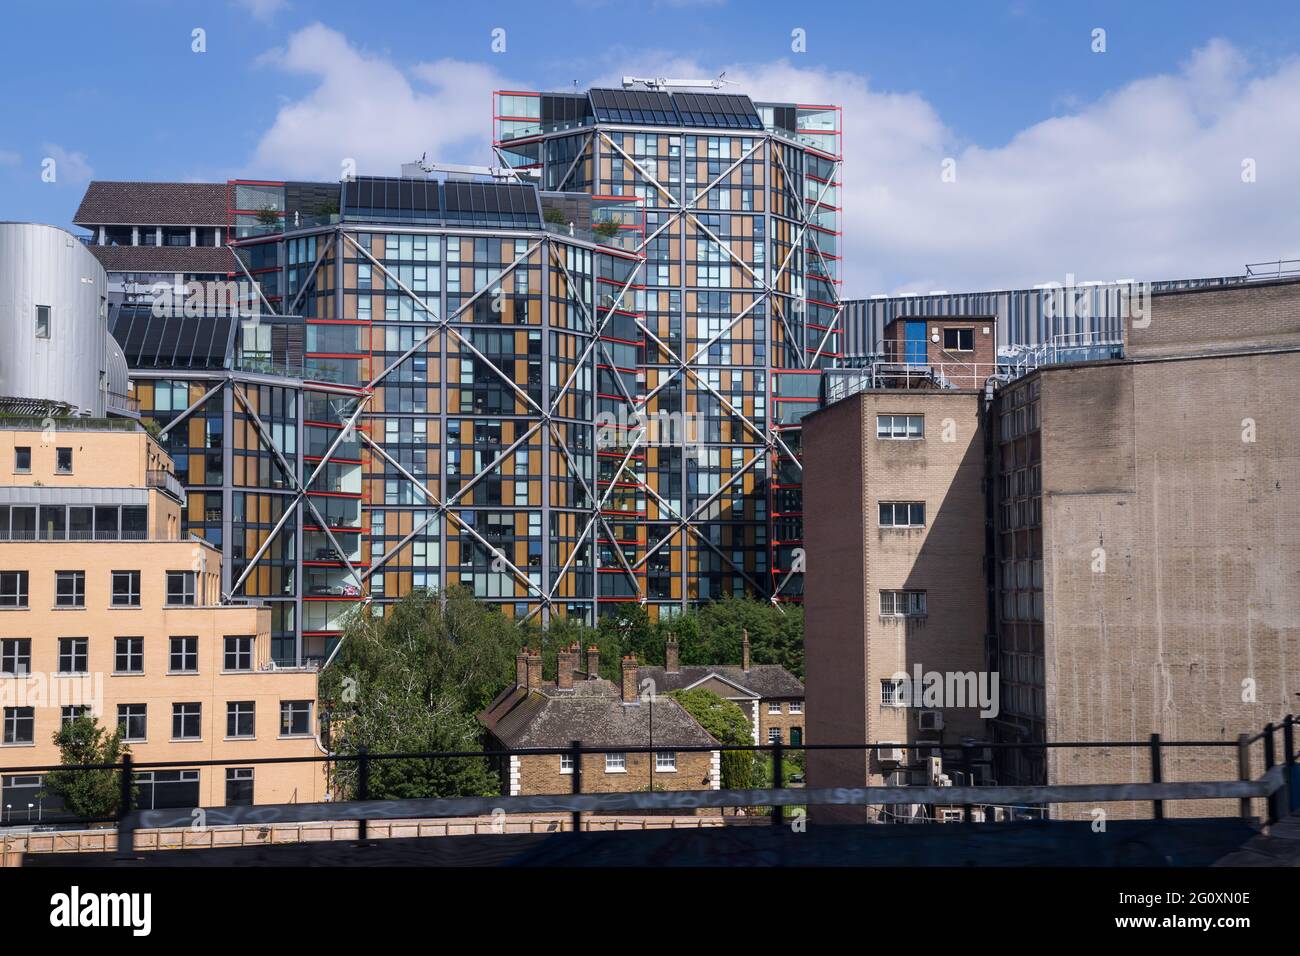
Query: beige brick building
[[105, 610], [533, 713], [894, 526]]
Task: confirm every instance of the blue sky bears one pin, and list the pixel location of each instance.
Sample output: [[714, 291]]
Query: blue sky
[[1103, 165]]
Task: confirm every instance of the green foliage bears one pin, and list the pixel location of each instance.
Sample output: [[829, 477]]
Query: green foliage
[[88, 793], [606, 230], [728, 725], [555, 216], [414, 681], [268, 216]]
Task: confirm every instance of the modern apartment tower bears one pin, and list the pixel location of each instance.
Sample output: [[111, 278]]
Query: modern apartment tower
[[568, 389], [733, 210]]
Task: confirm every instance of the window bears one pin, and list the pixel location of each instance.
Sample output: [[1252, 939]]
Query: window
[[900, 426], [13, 588], [566, 763], [42, 321], [16, 655], [69, 588], [180, 588], [665, 761], [71, 712], [959, 340], [63, 461], [187, 721], [20, 725], [615, 763], [902, 514], [295, 718], [131, 720], [240, 716], [892, 693], [73, 655], [128, 655], [23, 459], [902, 603], [796, 707], [774, 735], [126, 589], [239, 786], [774, 707], [239, 653], [184, 656]]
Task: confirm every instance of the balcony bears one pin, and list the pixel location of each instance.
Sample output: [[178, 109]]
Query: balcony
[[167, 483]]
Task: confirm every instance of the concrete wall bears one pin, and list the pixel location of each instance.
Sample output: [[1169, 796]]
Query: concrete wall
[[1183, 475]]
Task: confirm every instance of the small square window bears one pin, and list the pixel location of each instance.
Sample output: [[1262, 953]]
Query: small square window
[[16, 656], [181, 587], [958, 340], [796, 707], [665, 761], [69, 588], [774, 707], [566, 763], [73, 655], [615, 763], [187, 721], [240, 718], [128, 655], [63, 461], [295, 718], [132, 721], [239, 786], [239, 653], [126, 589], [20, 725], [184, 655], [23, 459]]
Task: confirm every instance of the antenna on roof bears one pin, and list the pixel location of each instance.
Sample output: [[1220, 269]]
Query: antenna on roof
[[676, 83]]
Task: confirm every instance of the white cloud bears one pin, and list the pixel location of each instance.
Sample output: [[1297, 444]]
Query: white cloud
[[263, 9], [1145, 182], [366, 108], [70, 168]]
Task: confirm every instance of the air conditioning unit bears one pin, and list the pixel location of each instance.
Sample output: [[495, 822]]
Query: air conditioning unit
[[930, 720], [891, 752]]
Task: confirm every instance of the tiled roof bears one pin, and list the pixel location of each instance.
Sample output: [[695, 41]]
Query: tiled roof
[[762, 680], [592, 712], [165, 258], [152, 204]]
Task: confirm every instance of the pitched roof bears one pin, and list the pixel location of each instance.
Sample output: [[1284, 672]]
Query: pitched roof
[[763, 680], [152, 204], [592, 712], [165, 258]]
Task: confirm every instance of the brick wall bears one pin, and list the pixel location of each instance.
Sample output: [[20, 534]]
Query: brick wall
[[541, 774]]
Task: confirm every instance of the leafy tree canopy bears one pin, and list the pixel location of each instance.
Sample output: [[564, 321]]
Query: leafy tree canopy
[[92, 794]]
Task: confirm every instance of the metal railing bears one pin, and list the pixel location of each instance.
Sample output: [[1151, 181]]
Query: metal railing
[[1279, 269], [1276, 786], [165, 481]]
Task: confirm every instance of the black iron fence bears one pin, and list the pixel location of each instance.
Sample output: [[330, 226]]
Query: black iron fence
[[1278, 785]]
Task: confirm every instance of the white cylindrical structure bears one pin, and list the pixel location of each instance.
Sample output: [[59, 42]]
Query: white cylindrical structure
[[53, 318]]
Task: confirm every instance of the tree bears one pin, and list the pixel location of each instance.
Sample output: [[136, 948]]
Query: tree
[[92, 794], [728, 725], [414, 681]]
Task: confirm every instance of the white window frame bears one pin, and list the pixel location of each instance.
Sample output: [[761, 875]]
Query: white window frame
[[914, 601], [906, 507], [891, 693], [566, 763], [616, 763], [893, 432], [665, 761], [796, 707], [774, 707]]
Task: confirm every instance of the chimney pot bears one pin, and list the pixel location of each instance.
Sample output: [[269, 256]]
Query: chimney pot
[[670, 656], [744, 650], [534, 670], [593, 662], [566, 664], [521, 668], [629, 680]]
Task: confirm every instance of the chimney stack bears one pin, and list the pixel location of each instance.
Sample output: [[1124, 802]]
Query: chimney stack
[[744, 650], [566, 664], [521, 668], [670, 656], [629, 680], [593, 662], [534, 669]]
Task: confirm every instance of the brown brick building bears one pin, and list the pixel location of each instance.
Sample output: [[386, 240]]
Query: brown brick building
[[533, 713], [894, 527], [1128, 537], [771, 697]]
